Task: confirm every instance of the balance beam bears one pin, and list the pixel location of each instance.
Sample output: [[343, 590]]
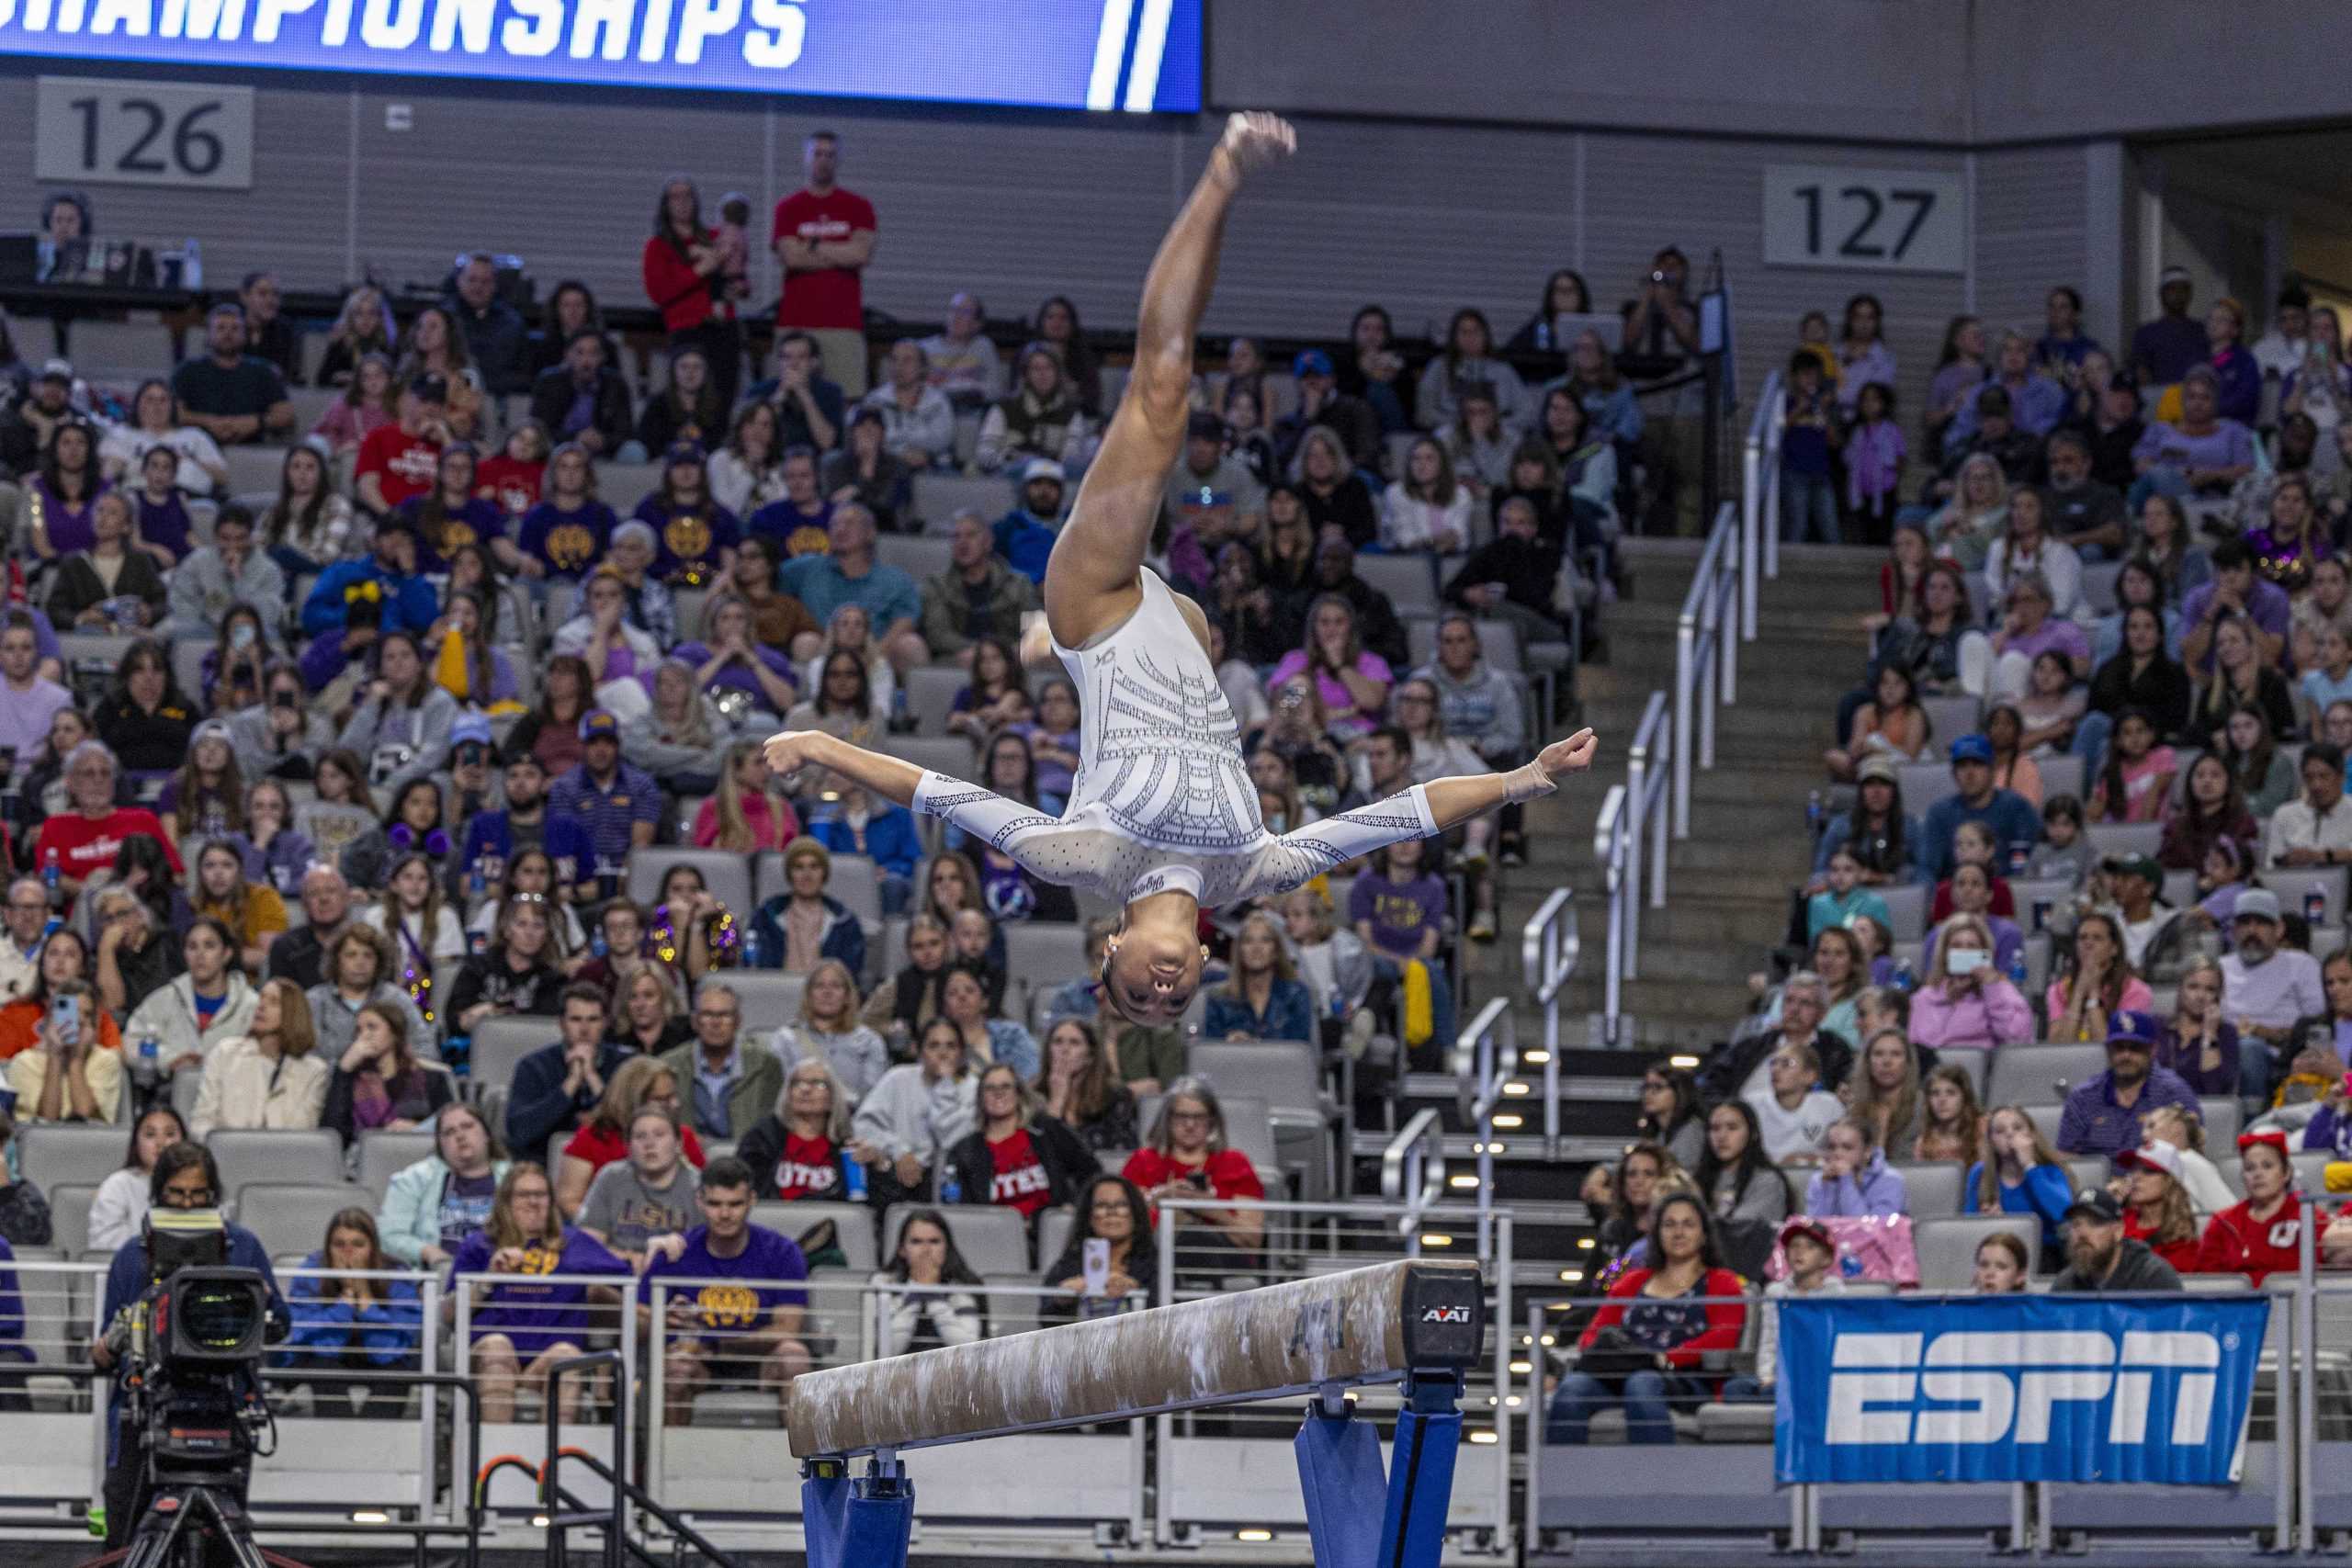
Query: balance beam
[[1367, 1326]]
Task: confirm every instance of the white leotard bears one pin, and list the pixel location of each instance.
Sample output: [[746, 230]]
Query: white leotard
[[1161, 800]]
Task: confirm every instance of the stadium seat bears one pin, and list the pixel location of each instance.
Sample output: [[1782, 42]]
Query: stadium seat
[[1934, 1188], [853, 883], [993, 1240], [1906, 910], [931, 695], [2296, 888], [2045, 1120], [2223, 1117], [853, 1228], [1947, 1247], [2060, 775], [1283, 1074], [57, 1154], [69, 1216], [919, 555], [1409, 582], [949, 754], [291, 1218], [1014, 1305], [770, 997], [1055, 1227], [622, 485], [938, 497], [502, 1042], [2122, 839], [385, 1152], [727, 874], [314, 1155], [1949, 717], [2034, 1075], [2098, 585]]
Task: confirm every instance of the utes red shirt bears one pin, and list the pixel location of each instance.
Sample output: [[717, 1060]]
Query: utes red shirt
[[2237, 1243], [83, 846], [403, 464], [1230, 1173], [810, 1168], [1020, 1180], [509, 483], [825, 298]]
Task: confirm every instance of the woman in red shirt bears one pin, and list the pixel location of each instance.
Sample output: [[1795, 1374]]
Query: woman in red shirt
[[802, 1149], [686, 277], [2262, 1236], [1654, 1332], [2157, 1210], [603, 1138], [1018, 1157], [1188, 1157]]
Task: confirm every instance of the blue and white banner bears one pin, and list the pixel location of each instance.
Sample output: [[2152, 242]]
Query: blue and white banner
[[2017, 1388], [1137, 55]]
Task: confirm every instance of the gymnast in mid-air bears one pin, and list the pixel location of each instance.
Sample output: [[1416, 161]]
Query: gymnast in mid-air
[[1163, 817]]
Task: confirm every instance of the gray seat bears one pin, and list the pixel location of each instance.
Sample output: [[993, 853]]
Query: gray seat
[[2085, 1172], [727, 874], [993, 1240], [2295, 888], [1044, 952], [2044, 1118], [500, 1043], [1947, 1247], [1055, 1227], [291, 1218], [769, 997], [1013, 1304], [947, 754], [2062, 775], [938, 497], [853, 1228], [1923, 784], [1973, 1063], [60, 1153], [1408, 580], [2121, 839], [1948, 718], [919, 555], [311, 1156], [622, 485], [2223, 1117], [69, 1217], [2038, 1075], [1286, 1074], [385, 1152], [931, 695], [854, 882], [1906, 910], [2051, 892], [1934, 1188]]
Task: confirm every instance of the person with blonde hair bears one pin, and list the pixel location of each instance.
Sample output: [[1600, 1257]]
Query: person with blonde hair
[[2157, 1208], [604, 1136], [530, 1309], [830, 1030], [2184, 1130], [1017, 1156], [270, 1077], [1885, 1092], [1965, 1003], [749, 813], [1264, 998]]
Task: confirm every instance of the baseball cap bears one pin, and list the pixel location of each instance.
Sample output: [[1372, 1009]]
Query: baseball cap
[[683, 452], [1972, 749], [2142, 866], [429, 388], [1311, 362], [210, 729], [644, 533], [2255, 904], [599, 722], [1806, 1225], [2128, 1028], [2097, 1203], [2150, 1155], [2175, 274], [1043, 469], [1203, 426], [1878, 765], [469, 727], [57, 370]]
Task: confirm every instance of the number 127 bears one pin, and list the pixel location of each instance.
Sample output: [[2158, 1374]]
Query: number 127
[[1858, 243]]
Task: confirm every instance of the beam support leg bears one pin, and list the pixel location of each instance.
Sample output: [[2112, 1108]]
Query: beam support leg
[[1340, 1476], [862, 1522]]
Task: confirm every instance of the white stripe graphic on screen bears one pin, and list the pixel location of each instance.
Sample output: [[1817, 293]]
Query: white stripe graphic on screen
[[1110, 49], [1151, 43]]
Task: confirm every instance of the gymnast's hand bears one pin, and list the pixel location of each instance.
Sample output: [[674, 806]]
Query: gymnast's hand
[[1573, 755], [1253, 141], [790, 751]]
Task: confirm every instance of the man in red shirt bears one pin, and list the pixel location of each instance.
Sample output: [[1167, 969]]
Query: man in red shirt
[[86, 839], [824, 236], [399, 461]]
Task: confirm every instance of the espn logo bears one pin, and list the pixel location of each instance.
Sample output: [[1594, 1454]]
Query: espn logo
[[1897, 1389], [1445, 1314]]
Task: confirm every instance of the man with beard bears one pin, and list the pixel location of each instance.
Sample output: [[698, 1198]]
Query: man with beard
[[2102, 1115], [2102, 1260], [493, 838], [2268, 985]]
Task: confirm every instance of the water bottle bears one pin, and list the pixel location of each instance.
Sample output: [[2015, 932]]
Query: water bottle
[[2315, 906], [852, 1178], [951, 1190], [149, 1053], [477, 882], [1812, 814], [597, 946], [1904, 978], [192, 270], [752, 945], [2017, 860], [1544, 335], [2017, 969], [53, 878]]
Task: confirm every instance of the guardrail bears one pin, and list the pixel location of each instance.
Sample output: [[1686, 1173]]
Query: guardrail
[[1760, 496], [1706, 653], [1412, 1171], [1631, 832], [1548, 950]]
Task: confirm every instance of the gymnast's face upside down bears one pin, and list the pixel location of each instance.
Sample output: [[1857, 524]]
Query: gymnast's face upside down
[[1153, 962]]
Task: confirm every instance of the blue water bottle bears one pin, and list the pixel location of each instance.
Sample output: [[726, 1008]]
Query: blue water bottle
[[52, 878], [1904, 979], [853, 1178], [951, 1190], [2017, 969], [1812, 814]]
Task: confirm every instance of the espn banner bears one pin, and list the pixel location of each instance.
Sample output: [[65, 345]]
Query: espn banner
[[2017, 1388]]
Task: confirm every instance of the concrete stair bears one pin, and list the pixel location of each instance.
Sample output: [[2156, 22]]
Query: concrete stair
[[1728, 883]]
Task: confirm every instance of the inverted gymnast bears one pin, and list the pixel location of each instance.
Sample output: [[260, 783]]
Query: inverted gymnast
[[1163, 817]]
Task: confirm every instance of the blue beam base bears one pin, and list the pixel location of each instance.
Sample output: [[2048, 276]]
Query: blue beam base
[[856, 1522], [1359, 1517]]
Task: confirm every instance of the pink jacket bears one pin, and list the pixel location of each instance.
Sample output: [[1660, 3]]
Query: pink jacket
[[1995, 1014]]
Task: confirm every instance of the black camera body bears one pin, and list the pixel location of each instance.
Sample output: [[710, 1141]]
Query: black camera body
[[191, 1349]]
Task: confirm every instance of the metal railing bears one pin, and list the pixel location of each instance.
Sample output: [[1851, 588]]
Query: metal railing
[[1760, 496], [1412, 1171], [1548, 950], [1706, 653], [1631, 832], [1485, 1062]]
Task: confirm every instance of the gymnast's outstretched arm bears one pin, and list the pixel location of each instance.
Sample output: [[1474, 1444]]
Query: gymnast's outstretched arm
[[1091, 578], [1458, 799], [889, 777]]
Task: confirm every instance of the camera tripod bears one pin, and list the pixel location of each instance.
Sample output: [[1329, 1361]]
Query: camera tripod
[[173, 1532]]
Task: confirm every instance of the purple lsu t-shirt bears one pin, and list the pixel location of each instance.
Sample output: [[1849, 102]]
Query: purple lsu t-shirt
[[536, 1315], [734, 1295], [1399, 911]]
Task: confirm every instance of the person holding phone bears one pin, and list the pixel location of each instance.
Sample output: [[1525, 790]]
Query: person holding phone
[[1189, 1158], [68, 1076], [1966, 1002], [1111, 1255]]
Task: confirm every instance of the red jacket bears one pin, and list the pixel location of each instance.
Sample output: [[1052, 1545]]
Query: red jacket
[[2237, 1243], [680, 293], [1726, 1318], [2182, 1255]]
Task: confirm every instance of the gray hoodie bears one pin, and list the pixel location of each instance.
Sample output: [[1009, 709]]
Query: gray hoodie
[[203, 590], [904, 1115]]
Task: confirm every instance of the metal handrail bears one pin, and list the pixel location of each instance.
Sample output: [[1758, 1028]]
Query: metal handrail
[[1705, 656], [1761, 483], [1412, 1170], [1632, 830], [1486, 1074], [1548, 950]]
